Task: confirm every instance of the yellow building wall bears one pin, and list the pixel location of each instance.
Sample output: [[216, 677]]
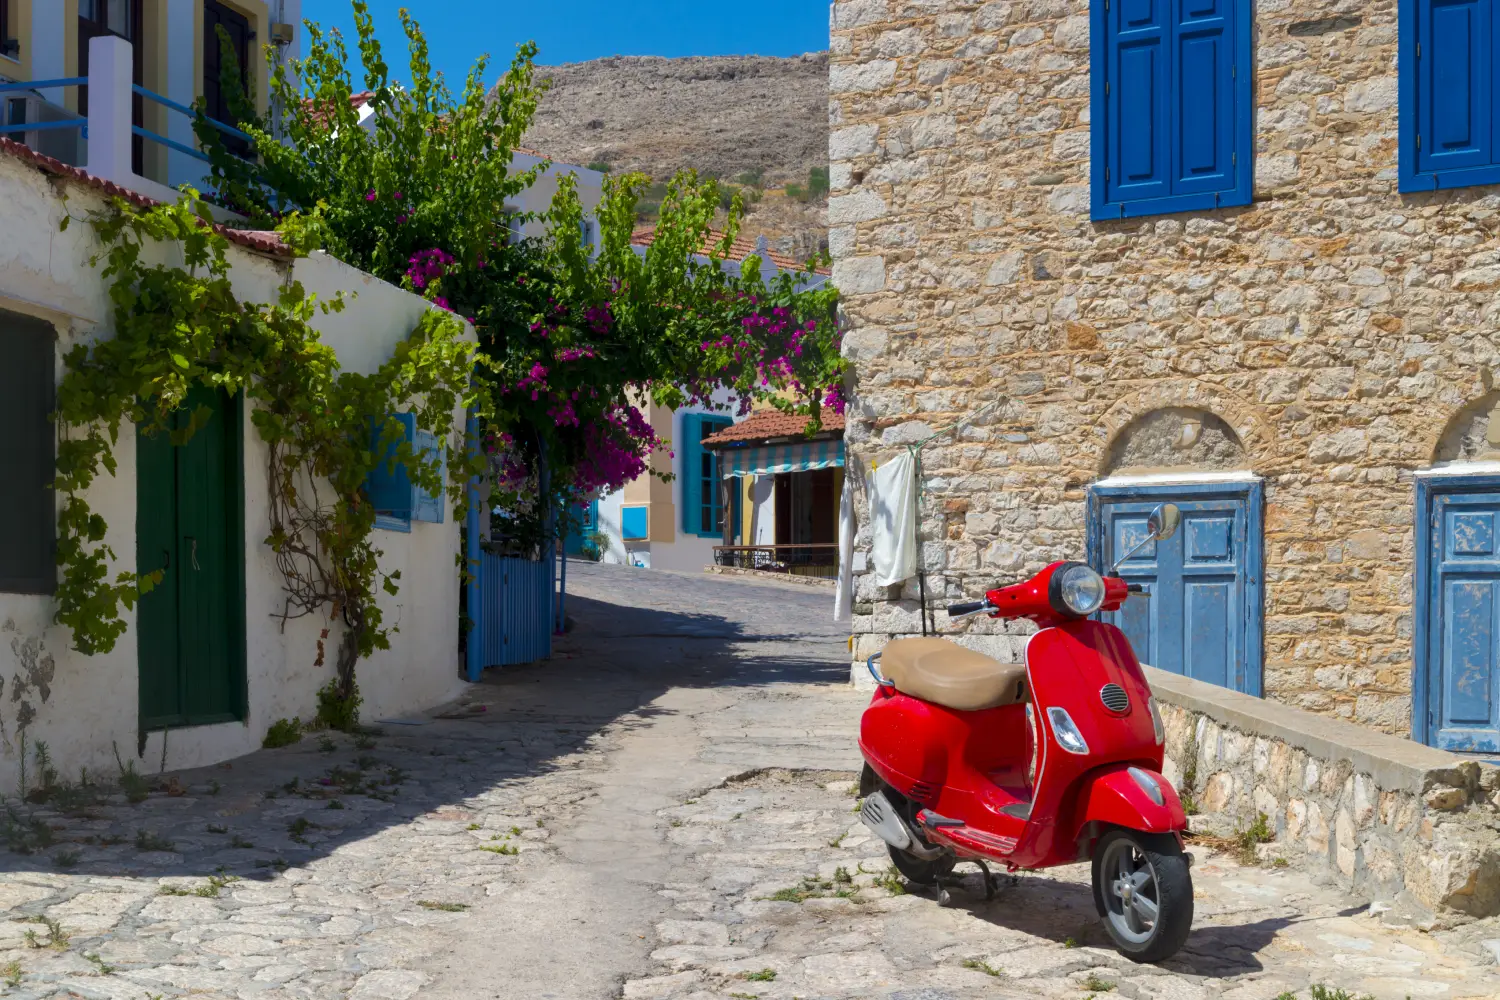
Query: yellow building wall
[[19, 28]]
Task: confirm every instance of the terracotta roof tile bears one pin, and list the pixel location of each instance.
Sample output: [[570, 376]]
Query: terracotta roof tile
[[259, 241], [766, 424], [741, 248]]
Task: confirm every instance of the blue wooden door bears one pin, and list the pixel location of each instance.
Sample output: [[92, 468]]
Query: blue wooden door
[[1463, 595], [1200, 616]]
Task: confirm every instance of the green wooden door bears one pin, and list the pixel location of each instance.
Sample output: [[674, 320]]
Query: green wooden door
[[189, 522]]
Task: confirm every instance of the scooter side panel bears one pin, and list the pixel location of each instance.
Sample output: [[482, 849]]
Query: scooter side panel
[[1067, 666], [1112, 797]]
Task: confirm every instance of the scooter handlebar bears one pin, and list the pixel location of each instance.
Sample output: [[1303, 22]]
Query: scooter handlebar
[[967, 608]]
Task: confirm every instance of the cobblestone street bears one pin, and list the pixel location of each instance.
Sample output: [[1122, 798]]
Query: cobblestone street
[[665, 810]]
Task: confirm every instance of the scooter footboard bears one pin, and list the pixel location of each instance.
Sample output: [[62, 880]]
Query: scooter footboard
[[1130, 796]]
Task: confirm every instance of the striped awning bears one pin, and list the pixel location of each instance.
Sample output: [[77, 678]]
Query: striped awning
[[763, 460]]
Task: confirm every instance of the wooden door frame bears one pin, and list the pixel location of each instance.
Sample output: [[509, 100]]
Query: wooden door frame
[[1252, 492], [1429, 485]]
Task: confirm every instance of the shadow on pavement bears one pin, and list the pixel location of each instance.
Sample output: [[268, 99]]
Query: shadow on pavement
[[636, 635]]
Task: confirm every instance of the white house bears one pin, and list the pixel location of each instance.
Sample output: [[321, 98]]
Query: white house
[[239, 676], [676, 525]]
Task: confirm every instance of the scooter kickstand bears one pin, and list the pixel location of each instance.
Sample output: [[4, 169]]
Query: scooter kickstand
[[989, 880]]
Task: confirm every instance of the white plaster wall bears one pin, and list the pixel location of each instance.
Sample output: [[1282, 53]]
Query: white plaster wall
[[763, 517], [90, 703], [609, 525], [538, 197], [48, 47]]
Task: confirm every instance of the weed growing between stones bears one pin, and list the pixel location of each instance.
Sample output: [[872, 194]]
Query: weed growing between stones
[[66, 859], [506, 849], [428, 904], [239, 841], [216, 828], [12, 972], [1242, 843], [146, 840], [326, 744], [135, 787], [763, 976], [283, 732], [209, 890], [1321, 992], [1094, 984], [24, 834], [836, 842], [57, 938], [98, 963], [980, 965]]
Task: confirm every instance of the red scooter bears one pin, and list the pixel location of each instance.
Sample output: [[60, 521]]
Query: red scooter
[[1049, 763]]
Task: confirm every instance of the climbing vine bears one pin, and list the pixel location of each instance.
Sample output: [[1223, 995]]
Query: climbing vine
[[178, 323]]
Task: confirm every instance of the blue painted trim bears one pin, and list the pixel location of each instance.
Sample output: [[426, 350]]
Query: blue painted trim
[[1243, 192], [1252, 681], [387, 523], [1424, 680], [1445, 180]]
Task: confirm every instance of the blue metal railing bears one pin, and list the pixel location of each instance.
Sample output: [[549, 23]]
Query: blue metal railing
[[192, 113], [83, 123], [32, 85]]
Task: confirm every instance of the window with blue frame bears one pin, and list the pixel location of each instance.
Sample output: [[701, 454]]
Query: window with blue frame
[[702, 497], [1173, 106], [1448, 84], [397, 500]]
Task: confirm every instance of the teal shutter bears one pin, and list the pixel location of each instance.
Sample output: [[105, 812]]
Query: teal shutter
[[634, 524], [714, 508], [691, 452], [426, 506], [388, 486]]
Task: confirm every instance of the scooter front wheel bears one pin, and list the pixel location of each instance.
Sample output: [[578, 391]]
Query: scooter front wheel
[[1144, 892]]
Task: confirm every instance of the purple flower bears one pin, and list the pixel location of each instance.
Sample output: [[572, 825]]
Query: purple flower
[[401, 219], [370, 196]]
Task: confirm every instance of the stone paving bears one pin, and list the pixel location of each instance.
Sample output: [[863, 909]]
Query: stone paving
[[663, 810]]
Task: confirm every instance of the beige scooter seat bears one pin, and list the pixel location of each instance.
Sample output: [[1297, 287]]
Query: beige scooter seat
[[947, 674]]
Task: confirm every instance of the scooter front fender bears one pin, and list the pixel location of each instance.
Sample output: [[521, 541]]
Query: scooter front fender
[[1113, 796]]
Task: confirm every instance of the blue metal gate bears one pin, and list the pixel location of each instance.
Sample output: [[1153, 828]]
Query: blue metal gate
[[1202, 613], [1456, 701], [515, 619]]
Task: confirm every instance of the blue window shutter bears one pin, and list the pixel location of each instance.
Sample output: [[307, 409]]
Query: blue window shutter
[[1203, 106], [1136, 150], [691, 452], [388, 486], [712, 478], [1455, 81], [633, 523], [427, 507]]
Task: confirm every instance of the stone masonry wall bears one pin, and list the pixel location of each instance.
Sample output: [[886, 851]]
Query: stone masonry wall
[[1436, 845], [1345, 333]]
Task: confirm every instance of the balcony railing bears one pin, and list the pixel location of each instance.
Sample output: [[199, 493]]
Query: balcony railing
[[819, 559], [102, 141]]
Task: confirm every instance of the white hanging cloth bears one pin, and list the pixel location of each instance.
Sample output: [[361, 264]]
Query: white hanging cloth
[[843, 596], [893, 520]]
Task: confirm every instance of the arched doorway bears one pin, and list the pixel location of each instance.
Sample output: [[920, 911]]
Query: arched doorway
[[1202, 609]]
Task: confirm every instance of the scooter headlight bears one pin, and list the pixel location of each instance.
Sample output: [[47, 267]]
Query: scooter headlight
[[1066, 732], [1158, 728], [1076, 591]]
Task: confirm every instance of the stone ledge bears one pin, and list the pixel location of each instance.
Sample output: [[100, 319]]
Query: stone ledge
[[1396, 764]]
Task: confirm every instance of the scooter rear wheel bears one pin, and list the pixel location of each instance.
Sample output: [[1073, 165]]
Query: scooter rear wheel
[[1144, 893], [912, 868]]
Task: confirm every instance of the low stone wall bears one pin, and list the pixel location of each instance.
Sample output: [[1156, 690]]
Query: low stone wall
[[1391, 819]]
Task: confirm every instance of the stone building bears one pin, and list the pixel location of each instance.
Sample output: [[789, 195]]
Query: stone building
[[1307, 368]]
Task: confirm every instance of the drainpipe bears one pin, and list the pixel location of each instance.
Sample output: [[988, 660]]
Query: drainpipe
[[474, 650]]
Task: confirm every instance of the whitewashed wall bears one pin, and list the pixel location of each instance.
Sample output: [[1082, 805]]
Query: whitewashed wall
[[91, 702]]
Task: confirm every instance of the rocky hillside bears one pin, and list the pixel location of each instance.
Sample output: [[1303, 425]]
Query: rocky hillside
[[747, 118]]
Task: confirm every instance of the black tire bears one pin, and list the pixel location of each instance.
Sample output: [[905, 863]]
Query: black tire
[[914, 869], [1144, 893], [919, 872]]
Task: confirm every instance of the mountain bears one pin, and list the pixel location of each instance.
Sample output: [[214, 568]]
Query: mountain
[[745, 119]]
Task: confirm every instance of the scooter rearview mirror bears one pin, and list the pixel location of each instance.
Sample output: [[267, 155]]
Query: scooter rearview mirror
[[1161, 524], [1164, 521]]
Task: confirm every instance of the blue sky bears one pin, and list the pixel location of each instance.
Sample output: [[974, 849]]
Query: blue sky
[[459, 31]]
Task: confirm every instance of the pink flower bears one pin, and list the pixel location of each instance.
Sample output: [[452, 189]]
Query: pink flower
[[401, 219], [398, 195], [370, 196]]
